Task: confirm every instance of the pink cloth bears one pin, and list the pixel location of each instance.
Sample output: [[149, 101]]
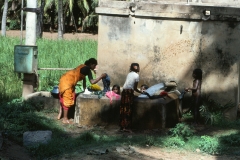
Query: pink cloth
[[61, 101], [111, 95]]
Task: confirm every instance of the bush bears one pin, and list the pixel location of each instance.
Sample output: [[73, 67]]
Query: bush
[[209, 145], [174, 142], [150, 140], [212, 111], [14, 25], [181, 130]]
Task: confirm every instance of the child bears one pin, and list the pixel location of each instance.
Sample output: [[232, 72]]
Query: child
[[116, 89], [196, 93], [127, 97], [144, 87]]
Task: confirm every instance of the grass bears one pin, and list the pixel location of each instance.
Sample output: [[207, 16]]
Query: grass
[[51, 54]]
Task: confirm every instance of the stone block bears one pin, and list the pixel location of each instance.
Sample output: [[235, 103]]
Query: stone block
[[31, 138]]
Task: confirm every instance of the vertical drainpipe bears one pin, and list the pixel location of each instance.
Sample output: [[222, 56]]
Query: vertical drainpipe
[[29, 79], [238, 97]]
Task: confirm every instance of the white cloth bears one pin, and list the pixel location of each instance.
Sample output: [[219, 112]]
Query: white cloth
[[132, 77]]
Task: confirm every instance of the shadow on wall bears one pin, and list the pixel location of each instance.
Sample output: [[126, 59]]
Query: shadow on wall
[[218, 58]]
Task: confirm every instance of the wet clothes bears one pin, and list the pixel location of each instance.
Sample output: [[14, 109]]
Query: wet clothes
[[68, 82], [106, 83]]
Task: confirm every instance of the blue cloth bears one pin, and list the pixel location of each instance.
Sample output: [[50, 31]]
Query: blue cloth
[[106, 83]]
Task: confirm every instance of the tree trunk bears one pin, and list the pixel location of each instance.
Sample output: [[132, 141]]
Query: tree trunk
[[60, 19], [40, 20], [4, 18], [13, 5]]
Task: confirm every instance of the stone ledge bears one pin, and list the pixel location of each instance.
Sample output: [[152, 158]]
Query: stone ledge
[[44, 98], [172, 11]]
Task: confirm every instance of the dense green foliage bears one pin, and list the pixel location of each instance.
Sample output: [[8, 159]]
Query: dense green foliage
[[51, 54], [77, 14]]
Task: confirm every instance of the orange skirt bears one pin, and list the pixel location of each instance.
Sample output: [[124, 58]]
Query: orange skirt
[[67, 98]]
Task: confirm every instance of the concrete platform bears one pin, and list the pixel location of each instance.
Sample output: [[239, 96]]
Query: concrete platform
[[147, 113], [90, 110]]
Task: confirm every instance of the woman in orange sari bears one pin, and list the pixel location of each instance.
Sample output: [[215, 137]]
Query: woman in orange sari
[[68, 82]]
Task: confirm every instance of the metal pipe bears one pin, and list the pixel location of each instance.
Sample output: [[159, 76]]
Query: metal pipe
[[238, 97], [29, 82], [21, 37]]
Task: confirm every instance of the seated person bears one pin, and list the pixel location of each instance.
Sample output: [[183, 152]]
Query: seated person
[[116, 89], [144, 87]]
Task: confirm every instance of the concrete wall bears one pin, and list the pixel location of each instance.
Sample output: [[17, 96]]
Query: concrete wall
[[169, 41]]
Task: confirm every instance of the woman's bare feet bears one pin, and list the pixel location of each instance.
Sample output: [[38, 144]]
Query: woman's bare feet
[[126, 130], [59, 116], [67, 121]]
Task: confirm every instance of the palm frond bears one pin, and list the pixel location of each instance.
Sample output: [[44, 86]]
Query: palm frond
[[82, 8], [86, 6], [70, 5], [90, 21], [94, 4], [48, 4]]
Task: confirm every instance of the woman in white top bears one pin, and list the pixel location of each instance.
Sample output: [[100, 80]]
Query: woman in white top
[[127, 96]]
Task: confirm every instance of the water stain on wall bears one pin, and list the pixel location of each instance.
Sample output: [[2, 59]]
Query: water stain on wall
[[224, 60], [118, 25]]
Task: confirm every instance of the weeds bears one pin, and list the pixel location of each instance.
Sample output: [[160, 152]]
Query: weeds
[[182, 130], [212, 111], [150, 140], [174, 142], [209, 145], [232, 140]]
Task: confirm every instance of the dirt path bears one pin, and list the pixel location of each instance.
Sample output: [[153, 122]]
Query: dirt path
[[48, 35], [13, 151]]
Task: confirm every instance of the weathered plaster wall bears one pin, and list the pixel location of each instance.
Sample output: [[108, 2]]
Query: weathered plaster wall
[[169, 41]]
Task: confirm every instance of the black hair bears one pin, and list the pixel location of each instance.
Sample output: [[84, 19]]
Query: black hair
[[91, 61], [198, 73], [118, 87], [145, 86], [132, 67]]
